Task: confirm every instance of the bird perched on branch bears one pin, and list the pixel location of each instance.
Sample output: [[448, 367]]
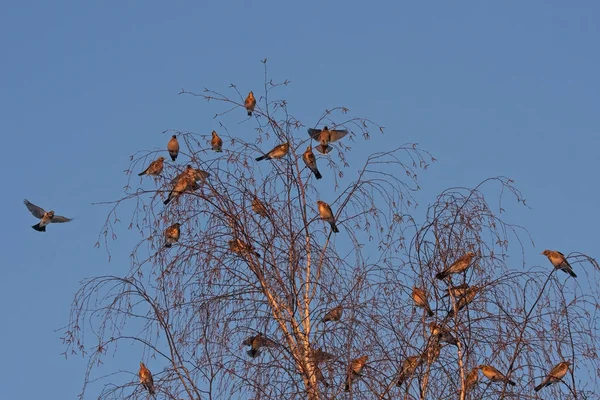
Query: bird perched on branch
[[311, 162], [457, 291], [494, 375], [327, 215], [216, 142], [146, 379], [355, 370], [442, 333], [559, 261], [239, 247], [259, 207], [46, 217], [458, 266], [276, 153], [472, 378], [465, 300], [325, 136], [155, 168], [555, 375], [172, 234], [250, 103], [184, 182], [409, 366], [173, 147], [256, 342], [420, 298], [334, 315]]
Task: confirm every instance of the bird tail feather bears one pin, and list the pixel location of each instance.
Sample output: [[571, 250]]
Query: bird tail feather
[[39, 228]]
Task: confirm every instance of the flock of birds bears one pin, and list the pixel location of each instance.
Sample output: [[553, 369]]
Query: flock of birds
[[462, 294]]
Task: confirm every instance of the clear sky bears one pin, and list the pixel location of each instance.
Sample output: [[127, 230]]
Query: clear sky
[[490, 88]]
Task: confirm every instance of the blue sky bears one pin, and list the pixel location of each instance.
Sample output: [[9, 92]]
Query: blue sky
[[489, 88]]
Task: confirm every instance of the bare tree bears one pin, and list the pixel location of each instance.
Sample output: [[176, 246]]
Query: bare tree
[[235, 305]]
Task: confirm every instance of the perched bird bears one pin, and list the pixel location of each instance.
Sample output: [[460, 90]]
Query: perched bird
[[494, 375], [146, 379], [172, 234], [250, 103], [173, 147], [465, 300], [192, 173], [241, 248], [321, 356], [256, 342], [311, 162], [472, 379], [433, 351], [559, 261], [182, 184], [442, 333], [259, 207], [325, 136], [409, 366], [327, 215], [46, 217], [319, 374], [420, 298], [555, 375], [355, 370], [276, 153], [334, 315], [216, 142], [457, 291], [155, 168], [458, 266]]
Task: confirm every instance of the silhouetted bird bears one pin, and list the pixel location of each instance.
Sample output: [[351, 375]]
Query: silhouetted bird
[[420, 298], [155, 168], [458, 266], [173, 147], [250, 103], [146, 379], [46, 217], [494, 375], [559, 261], [327, 215], [555, 375], [325, 136]]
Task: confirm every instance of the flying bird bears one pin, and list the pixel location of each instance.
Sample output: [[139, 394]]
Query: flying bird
[[173, 147], [46, 217], [325, 136], [146, 379], [327, 215], [239, 247], [172, 234], [442, 333], [355, 370], [250, 103], [311, 162], [559, 261], [458, 266], [409, 366], [216, 142], [555, 375], [276, 153], [259, 207], [155, 168], [334, 315], [183, 183], [256, 342], [420, 298], [494, 375], [465, 300]]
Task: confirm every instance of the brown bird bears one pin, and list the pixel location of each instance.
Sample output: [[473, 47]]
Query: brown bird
[[409, 366], [193, 173], [433, 351], [146, 379], [276, 153], [559, 261], [250, 103], [465, 300], [442, 333], [472, 379], [311, 162], [182, 184], [355, 370], [173, 147], [494, 375], [327, 215], [457, 291], [256, 342], [321, 356], [334, 314], [46, 217], [155, 168], [239, 247], [325, 136], [259, 207], [555, 375], [458, 266], [172, 234], [420, 298], [216, 142]]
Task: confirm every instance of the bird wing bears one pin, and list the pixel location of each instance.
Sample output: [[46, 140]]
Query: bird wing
[[337, 134], [37, 212], [314, 133], [61, 219]]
